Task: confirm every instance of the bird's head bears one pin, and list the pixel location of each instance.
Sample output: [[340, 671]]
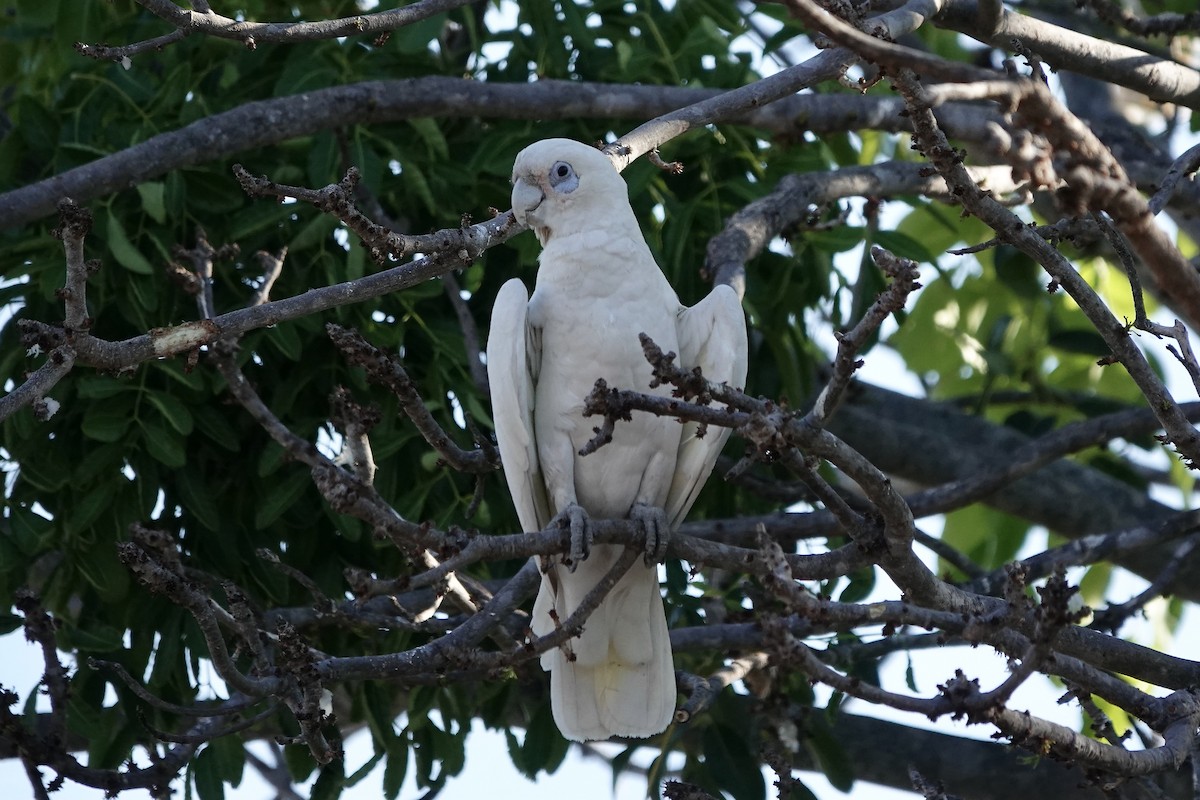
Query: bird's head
[[560, 184]]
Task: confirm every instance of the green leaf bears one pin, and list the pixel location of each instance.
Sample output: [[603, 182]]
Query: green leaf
[[212, 423], [988, 537], [105, 573], [430, 133], [318, 229], [800, 792], [836, 240], [377, 702], [272, 457], [364, 770], [145, 291], [101, 387], [910, 678], [173, 411], [829, 753], [31, 533], [287, 340], [330, 782], [450, 751], [280, 497], [120, 735], [414, 39], [206, 775], [108, 420], [177, 372], [95, 638], [300, 762], [1018, 272], [197, 497], [544, 747], [395, 769], [163, 444], [905, 246], [862, 583], [731, 764], [230, 757], [417, 183], [938, 227], [152, 194], [619, 762], [1093, 586], [323, 159], [123, 250], [84, 719], [1087, 342]]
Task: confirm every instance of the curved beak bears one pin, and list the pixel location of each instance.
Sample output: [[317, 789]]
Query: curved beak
[[526, 197]]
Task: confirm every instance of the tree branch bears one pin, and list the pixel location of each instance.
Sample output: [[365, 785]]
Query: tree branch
[[209, 23], [1158, 78]]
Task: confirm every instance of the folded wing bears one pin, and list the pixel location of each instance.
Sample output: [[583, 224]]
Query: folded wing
[[712, 336], [513, 356]]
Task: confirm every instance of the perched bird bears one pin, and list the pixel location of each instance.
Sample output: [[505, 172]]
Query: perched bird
[[598, 287]]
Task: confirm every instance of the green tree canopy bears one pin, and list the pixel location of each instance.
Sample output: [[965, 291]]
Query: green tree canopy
[[248, 255]]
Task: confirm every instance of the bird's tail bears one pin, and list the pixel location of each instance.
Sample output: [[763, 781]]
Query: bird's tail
[[618, 677]]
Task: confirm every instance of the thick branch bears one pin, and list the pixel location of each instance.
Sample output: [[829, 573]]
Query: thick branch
[[730, 105], [1158, 78], [466, 244]]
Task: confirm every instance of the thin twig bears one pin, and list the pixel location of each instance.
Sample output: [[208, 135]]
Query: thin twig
[[206, 22], [466, 322], [904, 273], [35, 387], [386, 370]]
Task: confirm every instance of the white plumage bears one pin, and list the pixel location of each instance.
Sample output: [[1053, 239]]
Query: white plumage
[[598, 287]]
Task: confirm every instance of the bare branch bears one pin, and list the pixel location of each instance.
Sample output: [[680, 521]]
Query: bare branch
[[464, 245], [1092, 549], [35, 387], [1128, 209], [209, 23], [161, 578], [386, 370], [702, 692], [729, 105], [338, 199], [1158, 78], [1164, 24], [356, 422], [74, 225], [904, 274], [795, 197], [1112, 618], [265, 122], [1183, 167]]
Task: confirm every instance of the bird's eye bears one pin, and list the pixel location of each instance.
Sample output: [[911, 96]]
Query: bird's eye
[[563, 177]]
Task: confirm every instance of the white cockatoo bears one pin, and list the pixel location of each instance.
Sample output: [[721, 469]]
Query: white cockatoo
[[598, 287]]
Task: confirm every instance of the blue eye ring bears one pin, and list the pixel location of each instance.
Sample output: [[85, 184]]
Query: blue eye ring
[[563, 177]]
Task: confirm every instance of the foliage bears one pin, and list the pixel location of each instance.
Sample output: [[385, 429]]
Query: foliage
[[162, 444]]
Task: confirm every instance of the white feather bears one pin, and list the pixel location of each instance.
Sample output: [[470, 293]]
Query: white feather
[[598, 287]]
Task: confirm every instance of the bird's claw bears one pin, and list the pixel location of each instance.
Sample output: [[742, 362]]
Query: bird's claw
[[653, 521], [575, 519]]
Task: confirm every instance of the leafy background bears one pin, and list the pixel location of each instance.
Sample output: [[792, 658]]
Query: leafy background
[[163, 445]]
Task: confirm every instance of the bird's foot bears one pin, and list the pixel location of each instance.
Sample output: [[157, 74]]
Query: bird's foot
[[575, 519], [658, 531]]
